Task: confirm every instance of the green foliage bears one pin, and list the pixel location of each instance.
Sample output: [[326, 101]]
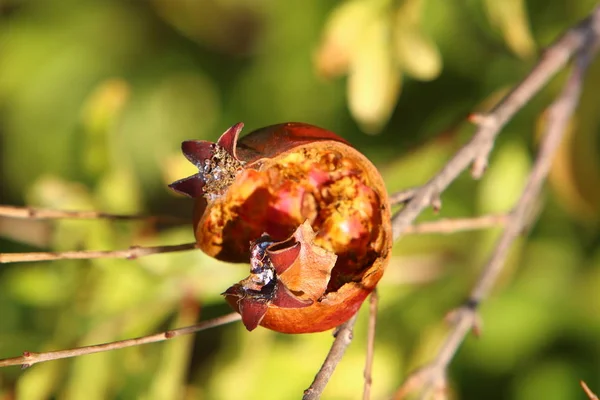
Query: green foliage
[[96, 96]]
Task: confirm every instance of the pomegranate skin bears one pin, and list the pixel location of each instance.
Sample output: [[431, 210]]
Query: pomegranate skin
[[308, 211]]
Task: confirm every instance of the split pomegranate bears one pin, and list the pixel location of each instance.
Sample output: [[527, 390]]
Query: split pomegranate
[[308, 212]]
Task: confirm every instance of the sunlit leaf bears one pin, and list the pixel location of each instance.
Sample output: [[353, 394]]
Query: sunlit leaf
[[510, 17], [341, 35], [99, 115], [119, 192], [374, 79], [417, 54], [505, 178]]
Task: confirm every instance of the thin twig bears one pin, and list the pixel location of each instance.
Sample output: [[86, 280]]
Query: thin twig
[[29, 358], [442, 226], [591, 395], [453, 225], [489, 125], [40, 213], [373, 301], [130, 253], [433, 375], [338, 348]]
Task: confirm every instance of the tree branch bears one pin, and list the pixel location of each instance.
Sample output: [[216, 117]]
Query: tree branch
[[29, 358], [476, 152], [130, 253], [39, 213], [402, 196], [453, 225], [343, 338], [433, 376], [442, 226]]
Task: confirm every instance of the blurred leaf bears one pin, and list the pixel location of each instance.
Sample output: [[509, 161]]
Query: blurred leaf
[[374, 79], [342, 33], [518, 324], [586, 302], [417, 54], [421, 162], [204, 21], [169, 381], [119, 191], [54, 192], [37, 285], [172, 108], [105, 103], [100, 114], [510, 17], [548, 380], [565, 182], [285, 71], [577, 162], [57, 55], [549, 269], [505, 178], [91, 376], [39, 383]]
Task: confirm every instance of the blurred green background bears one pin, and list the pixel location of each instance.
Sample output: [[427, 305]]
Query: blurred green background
[[96, 96]]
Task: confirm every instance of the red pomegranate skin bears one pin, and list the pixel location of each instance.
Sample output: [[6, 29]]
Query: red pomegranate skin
[[308, 212]]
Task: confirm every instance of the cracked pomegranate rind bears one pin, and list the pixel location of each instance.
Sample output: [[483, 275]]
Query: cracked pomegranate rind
[[305, 209]]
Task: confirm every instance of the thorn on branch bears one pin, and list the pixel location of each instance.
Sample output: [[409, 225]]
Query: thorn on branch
[[472, 303], [476, 118], [436, 203], [133, 255], [336, 331], [479, 167]]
